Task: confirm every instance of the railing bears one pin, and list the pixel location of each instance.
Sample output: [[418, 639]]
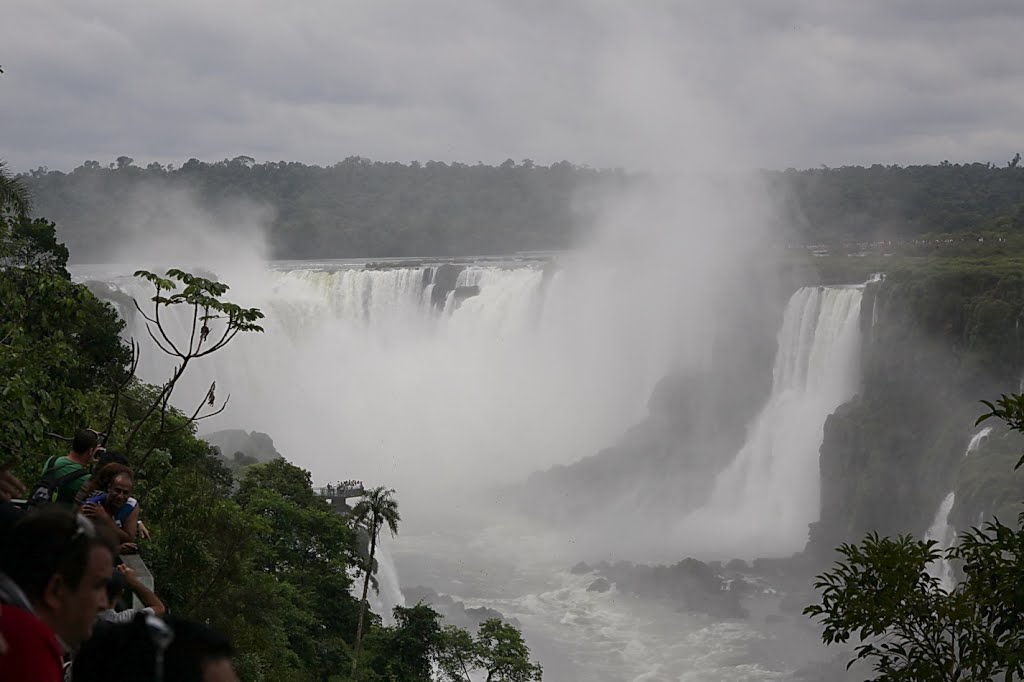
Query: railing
[[335, 492], [135, 562]]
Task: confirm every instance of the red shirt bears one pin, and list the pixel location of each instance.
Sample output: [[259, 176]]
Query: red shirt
[[32, 649]]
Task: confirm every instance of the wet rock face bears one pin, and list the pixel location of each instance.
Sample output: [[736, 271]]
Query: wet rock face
[[462, 293], [445, 279], [453, 611], [124, 303], [599, 585]]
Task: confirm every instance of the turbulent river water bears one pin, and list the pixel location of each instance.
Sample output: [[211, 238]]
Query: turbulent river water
[[441, 385]]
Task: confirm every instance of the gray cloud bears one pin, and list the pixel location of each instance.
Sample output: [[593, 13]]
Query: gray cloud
[[787, 83]]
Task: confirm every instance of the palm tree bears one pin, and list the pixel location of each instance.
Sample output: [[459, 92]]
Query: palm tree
[[13, 194], [377, 509]]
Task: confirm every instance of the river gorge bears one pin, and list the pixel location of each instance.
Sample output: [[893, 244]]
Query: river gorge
[[533, 414]]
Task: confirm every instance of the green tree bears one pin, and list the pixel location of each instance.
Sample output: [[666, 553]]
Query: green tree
[[456, 654], [59, 344], [14, 195], [308, 548], [498, 651], [378, 509], [404, 651], [911, 629], [503, 654]]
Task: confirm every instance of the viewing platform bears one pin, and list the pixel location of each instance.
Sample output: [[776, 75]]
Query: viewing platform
[[337, 494]]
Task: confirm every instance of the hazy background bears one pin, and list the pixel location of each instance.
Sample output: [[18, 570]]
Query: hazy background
[[789, 83]]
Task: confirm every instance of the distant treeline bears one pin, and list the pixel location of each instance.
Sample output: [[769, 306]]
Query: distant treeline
[[363, 208], [854, 203], [355, 208]]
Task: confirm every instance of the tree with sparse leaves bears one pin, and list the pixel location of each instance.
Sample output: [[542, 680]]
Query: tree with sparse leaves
[[215, 323]]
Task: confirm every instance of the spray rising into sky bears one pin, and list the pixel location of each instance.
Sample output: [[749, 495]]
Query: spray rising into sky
[[358, 377]]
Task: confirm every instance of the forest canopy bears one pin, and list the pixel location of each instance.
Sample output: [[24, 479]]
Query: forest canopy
[[364, 208]]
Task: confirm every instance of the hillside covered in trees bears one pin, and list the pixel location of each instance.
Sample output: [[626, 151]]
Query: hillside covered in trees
[[355, 208], [363, 208]]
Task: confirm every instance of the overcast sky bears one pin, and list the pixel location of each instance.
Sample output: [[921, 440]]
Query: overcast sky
[[639, 84]]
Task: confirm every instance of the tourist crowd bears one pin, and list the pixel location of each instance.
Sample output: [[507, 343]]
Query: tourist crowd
[[65, 587]]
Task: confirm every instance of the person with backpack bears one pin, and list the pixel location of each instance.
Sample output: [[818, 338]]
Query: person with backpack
[[64, 476]]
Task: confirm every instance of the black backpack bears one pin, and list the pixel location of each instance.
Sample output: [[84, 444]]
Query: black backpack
[[47, 490]]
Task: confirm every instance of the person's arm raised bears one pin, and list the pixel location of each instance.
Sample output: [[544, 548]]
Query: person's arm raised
[[146, 596]]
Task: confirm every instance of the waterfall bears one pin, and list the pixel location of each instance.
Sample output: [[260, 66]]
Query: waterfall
[[941, 531], [764, 500], [389, 591], [365, 373], [945, 535]]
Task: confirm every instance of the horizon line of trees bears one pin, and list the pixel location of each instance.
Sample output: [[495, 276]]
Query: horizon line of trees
[[363, 208], [255, 553]]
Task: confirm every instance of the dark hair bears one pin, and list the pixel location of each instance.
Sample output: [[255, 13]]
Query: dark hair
[[134, 646], [111, 457], [193, 646], [51, 540], [127, 648], [102, 480], [84, 441]]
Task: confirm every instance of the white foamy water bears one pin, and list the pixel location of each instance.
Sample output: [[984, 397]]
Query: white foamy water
[[941, 531], [389, 590], [764, 500], [360, 374], [588, 636]]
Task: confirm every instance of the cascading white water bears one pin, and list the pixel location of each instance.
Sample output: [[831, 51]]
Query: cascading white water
[[389, 591], [364, 374], [941, 531], [764, 500], [945, 535]]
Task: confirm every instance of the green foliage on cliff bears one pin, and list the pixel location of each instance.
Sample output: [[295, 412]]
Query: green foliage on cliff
[[58, 343], [268, 562], [909, 626], [937, 333]]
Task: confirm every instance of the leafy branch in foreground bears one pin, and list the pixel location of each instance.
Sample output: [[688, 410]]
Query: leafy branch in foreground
[[214, 324], [911, 629], [1010, 409]]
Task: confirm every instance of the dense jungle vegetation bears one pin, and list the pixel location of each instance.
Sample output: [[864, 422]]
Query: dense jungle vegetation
[[259, 556], [364, 208]]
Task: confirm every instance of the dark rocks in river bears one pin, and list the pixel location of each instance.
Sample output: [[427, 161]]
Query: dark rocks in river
[[453, 611], [689, 585], [580, 569], [599, 585], [460, 294], [832, 670]]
